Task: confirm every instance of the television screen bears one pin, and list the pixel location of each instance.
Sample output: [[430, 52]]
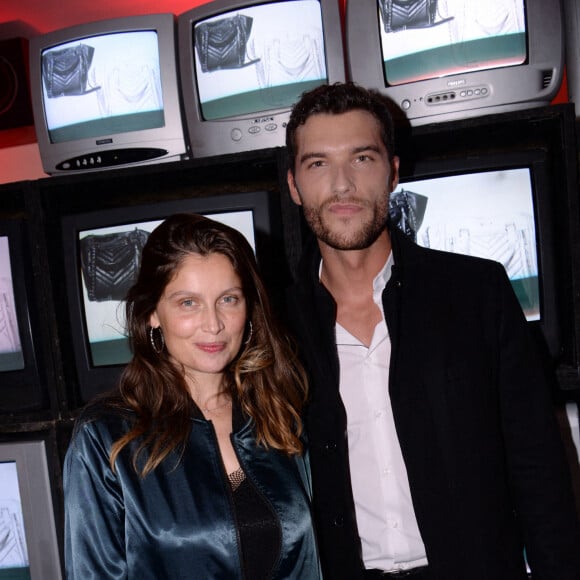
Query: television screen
[[494, 220], [29, 540], [103, 293], [23, 366], [13, 550], [11, 356], [244, 63], [106, 94], [455, 37], [102, 85], [441, 60], [102, 253], [282, 56]]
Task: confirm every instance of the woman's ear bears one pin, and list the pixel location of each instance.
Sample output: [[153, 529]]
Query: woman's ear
[[154, 320]]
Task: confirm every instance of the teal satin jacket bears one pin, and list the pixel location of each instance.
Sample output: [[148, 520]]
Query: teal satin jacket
[[178, 521]]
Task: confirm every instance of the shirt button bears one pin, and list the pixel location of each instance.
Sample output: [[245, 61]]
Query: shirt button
[[338, 521], [330, 446]]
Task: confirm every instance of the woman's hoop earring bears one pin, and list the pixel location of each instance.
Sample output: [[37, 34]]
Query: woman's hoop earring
[[250, 332], [156, 349]]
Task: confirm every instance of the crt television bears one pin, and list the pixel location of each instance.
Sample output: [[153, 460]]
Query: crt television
[[30, 548], [244, 63], [572, 17], [105, 94], [96, 308], [452, 59], [502, 207], [22, 382]]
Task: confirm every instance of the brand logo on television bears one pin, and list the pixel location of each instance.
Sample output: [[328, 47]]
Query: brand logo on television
[[261, 120], [458, 83]]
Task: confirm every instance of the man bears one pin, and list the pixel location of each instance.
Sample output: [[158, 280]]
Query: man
[[434, 450]]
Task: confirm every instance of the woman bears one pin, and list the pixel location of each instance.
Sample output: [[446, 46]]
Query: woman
[[194, 468]]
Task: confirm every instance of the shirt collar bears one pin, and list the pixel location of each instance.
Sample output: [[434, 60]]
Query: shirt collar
[[380, 280], [383, 276]]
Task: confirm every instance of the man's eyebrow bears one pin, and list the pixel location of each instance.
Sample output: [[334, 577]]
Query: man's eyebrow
[[354, 151], [312, 155], [364, 148]]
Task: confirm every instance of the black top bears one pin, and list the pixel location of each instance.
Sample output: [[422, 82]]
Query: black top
[[258, 529]]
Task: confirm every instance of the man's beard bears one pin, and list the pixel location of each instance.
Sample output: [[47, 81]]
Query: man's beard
[[359, 239]]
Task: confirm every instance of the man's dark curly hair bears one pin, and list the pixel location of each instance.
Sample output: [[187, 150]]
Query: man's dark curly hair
[[340, 98]]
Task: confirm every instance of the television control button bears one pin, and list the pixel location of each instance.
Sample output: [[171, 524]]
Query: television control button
[[271, 127], [449, 96], [406, 104], [254, 129], [236, 134]]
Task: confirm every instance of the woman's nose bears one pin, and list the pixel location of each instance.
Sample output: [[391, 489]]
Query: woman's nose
[[212, 321]]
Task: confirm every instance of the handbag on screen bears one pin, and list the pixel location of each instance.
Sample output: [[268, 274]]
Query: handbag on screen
[[9, 335], [290, 59], [110, 263], [221, 44], [407, 210], [129, 88], [404, 14], [65, 72]]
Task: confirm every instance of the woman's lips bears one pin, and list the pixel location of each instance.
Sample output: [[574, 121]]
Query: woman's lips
[[211, 347]]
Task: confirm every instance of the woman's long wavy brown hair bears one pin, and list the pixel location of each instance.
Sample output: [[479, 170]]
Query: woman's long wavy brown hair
[[266, 377]]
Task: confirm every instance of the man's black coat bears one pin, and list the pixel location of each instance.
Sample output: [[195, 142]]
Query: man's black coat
[[473, 414]]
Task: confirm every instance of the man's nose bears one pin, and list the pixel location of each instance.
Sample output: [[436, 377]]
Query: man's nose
[[343, 180]]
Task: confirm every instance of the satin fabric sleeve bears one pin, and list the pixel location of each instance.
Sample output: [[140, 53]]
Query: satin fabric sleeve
[[303, 465], [94, 508]]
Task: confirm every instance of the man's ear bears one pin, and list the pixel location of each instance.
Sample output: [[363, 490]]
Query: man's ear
[[394, 172], [294, 193]]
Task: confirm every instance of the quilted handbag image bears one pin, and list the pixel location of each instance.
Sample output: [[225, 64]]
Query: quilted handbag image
[[221, 44], [65, 72], [404, 14], [406, 211], [110, 263]]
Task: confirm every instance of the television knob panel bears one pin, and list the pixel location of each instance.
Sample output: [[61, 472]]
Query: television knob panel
[[112, 158], [257, 127], [449, 96]]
